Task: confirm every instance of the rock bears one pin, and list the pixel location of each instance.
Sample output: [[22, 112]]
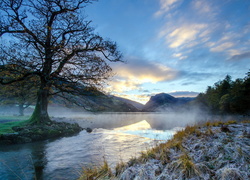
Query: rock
[[89, 130], [224, 128], [17, 128]]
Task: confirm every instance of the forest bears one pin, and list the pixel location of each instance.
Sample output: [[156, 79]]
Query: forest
[[227, 96]]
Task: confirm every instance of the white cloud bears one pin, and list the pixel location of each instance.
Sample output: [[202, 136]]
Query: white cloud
[[184, 93], [144, 71], [132, 75], [222, 47], [202, 6], [240, 56], [234, 52], [166, 6], [122, 85], [179, 56], [184, 34], [143, 98]]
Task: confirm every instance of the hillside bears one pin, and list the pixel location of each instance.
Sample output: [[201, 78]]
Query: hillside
[[97, 102], [165, 102], [100, 102], [138, 105]]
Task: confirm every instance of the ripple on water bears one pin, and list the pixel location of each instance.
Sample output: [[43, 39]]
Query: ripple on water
[[63, 158]]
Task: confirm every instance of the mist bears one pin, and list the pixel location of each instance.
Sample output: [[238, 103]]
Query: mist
[[164, 120]]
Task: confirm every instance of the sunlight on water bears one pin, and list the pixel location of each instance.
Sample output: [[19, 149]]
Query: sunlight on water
[[64, 157], [142, 125], [143, 129]]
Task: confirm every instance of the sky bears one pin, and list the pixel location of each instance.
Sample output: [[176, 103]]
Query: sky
[[178, 47]]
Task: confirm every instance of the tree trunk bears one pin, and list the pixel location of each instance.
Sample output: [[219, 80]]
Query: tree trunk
[[40, 114], [21, 109]]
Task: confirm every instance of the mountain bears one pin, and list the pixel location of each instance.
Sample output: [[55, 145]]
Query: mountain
[[97, 102], [165, 102], [137, 105]]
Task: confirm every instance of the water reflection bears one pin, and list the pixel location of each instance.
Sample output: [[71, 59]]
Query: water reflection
[[22, 161], [63, 158]]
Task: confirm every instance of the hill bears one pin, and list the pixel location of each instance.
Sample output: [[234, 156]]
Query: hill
[[97, 102], [165, 102], [137, 105]]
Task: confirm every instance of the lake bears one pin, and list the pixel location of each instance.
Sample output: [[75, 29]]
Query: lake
[[116, 137]]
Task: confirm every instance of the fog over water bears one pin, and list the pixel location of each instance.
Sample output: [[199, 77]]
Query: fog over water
[[115, 137], [157, 120]]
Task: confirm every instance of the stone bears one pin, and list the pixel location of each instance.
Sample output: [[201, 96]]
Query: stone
[[89, 130]]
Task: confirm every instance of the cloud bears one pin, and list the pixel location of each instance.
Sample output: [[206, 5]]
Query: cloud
[[245, 55], [184, 93], [143, 98], [143, 71], [193, 78], [180, 56], [204, 8], [184, 34], [122, 85], [222, 47], [201, 6], [166, 6], [132, 75]]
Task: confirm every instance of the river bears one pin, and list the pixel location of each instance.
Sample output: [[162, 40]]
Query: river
[[116, 137]]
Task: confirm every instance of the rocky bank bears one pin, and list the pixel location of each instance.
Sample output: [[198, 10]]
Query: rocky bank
[[215, 151]]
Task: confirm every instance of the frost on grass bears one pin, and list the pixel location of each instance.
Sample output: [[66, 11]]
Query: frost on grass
[[206, 152]]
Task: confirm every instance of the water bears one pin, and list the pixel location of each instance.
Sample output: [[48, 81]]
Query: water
[[117, 137]]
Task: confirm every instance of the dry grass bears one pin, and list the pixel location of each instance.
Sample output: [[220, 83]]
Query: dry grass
[[94, 173], [219, 123], [119, 168], [215, 123], [163, 151], [209, 132], [245, 121], [187, 166]]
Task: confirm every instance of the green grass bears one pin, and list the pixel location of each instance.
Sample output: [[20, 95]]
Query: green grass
[[7, 127], [18, 118]]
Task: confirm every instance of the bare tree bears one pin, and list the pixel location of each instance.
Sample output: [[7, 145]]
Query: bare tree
[[51, 39]]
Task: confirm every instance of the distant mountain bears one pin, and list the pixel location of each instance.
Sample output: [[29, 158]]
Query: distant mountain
[[137, 105], [97, 102], [165, 102]]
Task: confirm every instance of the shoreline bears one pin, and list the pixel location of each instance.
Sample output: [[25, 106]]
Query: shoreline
[[215, 150], [209, 152], [20, 132]]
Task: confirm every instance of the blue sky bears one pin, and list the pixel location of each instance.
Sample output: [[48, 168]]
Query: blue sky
[[174, 46]]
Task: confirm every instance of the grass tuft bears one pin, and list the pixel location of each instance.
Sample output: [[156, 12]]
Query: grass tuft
[[188, 167], [93, 173], [119, 168]]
